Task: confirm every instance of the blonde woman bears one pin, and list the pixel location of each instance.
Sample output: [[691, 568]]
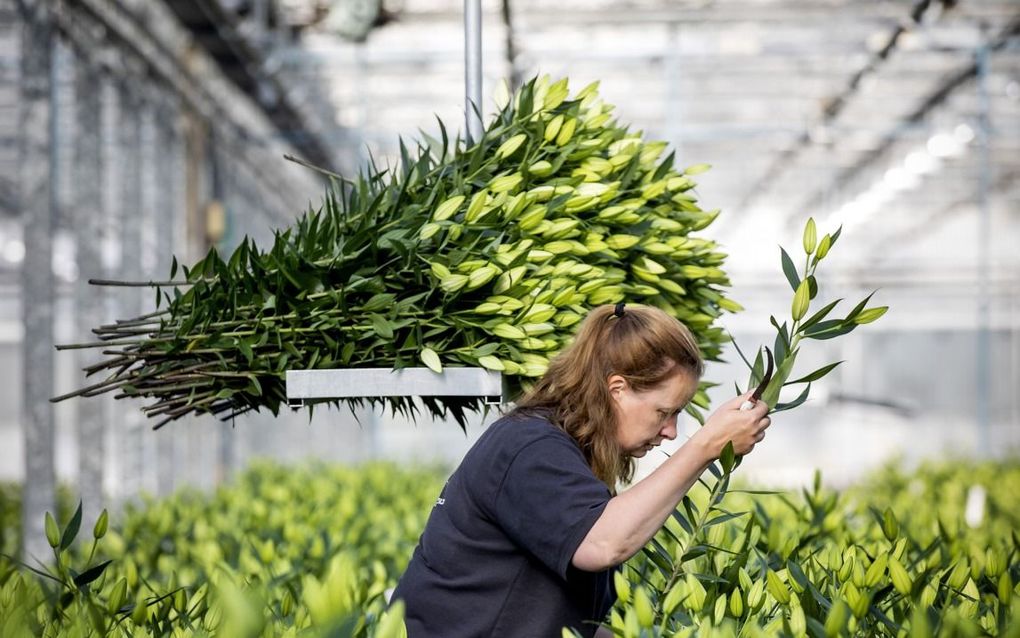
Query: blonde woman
[[526, 533]]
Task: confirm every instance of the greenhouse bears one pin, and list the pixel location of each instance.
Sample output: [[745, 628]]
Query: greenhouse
[[430, 318]]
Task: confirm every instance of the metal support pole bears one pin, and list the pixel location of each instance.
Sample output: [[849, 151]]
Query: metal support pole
[[130, 219], [473, 69], [87, 221], [166, 208], [984, 247], [673, 72], [513, 71], [38, 198], [148, 240]]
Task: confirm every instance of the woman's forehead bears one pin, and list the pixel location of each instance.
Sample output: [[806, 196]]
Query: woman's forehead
[[676, 390]]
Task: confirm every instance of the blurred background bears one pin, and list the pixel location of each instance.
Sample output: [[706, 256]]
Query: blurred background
[[135, 130]]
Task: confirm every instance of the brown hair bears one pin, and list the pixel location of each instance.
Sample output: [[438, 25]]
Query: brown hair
[[642, 344]]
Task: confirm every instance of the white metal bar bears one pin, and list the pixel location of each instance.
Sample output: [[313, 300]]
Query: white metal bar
[[37, 138], [473, 69], [322, 385]]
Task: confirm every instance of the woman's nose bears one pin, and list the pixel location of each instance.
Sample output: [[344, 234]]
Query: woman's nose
[[669, 432]]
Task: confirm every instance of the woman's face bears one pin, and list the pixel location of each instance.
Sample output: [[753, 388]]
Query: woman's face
[[645, 419]]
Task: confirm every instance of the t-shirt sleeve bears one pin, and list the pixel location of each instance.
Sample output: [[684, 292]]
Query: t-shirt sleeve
[[549, 500]]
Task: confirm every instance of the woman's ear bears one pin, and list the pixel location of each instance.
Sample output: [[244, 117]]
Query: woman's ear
[[617, 385]]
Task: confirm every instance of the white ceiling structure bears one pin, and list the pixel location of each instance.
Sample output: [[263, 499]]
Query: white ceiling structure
[[868, 113]]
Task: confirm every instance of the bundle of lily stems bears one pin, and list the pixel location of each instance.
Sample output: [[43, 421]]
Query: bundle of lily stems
[[483, 254]]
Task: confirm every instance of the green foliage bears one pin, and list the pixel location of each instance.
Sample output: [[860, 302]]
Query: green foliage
[[890, 557], [10, 515], [308, 552], [280, 552], [482, 255]]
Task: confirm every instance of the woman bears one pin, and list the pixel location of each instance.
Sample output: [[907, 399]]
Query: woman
[[523, 539]]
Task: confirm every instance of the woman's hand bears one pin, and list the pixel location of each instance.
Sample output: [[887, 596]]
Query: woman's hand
[[729, 423]]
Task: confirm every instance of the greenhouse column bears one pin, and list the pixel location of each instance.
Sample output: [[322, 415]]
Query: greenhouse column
[[983, 378], [166, 207], [129, 219], [148, 267], [87, 220], [37, 195]]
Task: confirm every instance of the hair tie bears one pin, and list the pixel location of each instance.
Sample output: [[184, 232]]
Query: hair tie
[[619, 312]]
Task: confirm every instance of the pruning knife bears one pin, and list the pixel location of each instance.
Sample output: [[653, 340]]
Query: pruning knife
[[756, 396]]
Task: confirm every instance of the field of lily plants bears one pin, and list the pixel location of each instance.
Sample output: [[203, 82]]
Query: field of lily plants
[[312, 552]]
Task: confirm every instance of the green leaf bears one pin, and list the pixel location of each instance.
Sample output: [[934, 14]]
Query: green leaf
[[816, 375], [727, 458], [690, 508], [796, 402], [431, 359], [771, 394], [378, 302], [812, 286], [782, 337], [859, 307], [694, 552], [790, 270], [381, 326], [714, 469], [486, 350], [830, 332], [664, 565], [90, 575], [739, 491], [818, 316], [794, 569], [780, 346], [72, 529], [723, 518], [682, 521], [757, 371], [254, 387], [246, 351], [823, 326]]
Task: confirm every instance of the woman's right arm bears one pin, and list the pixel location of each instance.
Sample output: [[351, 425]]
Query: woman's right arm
[[632, 518]]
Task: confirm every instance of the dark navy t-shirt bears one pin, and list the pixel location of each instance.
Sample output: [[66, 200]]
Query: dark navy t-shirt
[[495, 556]]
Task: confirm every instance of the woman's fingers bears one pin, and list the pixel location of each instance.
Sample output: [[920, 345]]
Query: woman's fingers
[[742, 428], [758, 433]]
